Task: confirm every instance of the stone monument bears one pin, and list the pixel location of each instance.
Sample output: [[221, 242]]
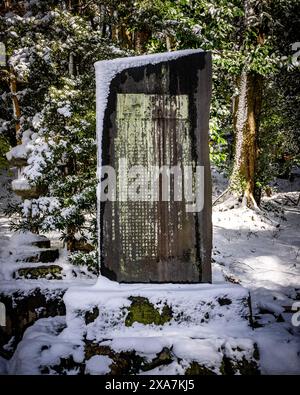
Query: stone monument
[[152, 113]]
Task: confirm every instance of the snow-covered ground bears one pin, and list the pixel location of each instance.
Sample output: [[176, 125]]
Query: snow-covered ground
[[263, 254], [261, 251]]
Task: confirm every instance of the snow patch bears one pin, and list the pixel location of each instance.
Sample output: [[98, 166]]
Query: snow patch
[[98, 364]]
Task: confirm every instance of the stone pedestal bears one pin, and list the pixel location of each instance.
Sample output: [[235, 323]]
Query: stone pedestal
[[151, 329], [161, 329]]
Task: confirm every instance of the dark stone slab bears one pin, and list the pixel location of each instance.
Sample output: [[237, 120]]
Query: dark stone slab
[[157, 114]]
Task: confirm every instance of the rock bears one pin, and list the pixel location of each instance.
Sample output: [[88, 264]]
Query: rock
[[91, 315], [196, 369], [66, 365], [22, 310], [52, 272], [224, 301], [163, 358], [239, 364], [82, 245], [144, 312], [244, 367]]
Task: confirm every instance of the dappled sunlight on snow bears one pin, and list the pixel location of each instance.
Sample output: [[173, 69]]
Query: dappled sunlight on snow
[[262, 253]]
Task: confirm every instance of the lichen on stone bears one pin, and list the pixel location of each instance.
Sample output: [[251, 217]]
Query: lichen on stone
[[144, 312], [200, 370], [34, 273]]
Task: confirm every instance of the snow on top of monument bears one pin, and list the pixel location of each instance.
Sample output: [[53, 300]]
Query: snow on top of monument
[[136, 61]]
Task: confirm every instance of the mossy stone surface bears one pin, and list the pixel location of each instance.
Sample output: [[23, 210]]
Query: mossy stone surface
[[144, 312], [22, 310], [52, 272], [196, 369], [244, 367], [163, 358]]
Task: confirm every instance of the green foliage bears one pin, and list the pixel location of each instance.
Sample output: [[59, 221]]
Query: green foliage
[[52, 54], [89, 260]]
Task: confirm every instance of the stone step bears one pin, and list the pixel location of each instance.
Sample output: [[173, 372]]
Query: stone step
[[173, 355], [162, 328], [152, 355], [41, 242], [48, 272], [44, 255], [126, 309]]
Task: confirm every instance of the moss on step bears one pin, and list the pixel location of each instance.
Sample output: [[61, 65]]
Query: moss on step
[[52, 272], [200, 370], [242, 367], [144, 312]]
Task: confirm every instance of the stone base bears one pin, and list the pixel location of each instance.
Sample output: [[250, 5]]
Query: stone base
[[109, 309], [163, 328], [113, 328]]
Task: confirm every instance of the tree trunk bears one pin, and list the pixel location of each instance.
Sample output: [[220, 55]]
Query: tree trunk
[[71, 65], [7, 5], [15, 103], [71, 230], [246, 125], [141, 38]]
